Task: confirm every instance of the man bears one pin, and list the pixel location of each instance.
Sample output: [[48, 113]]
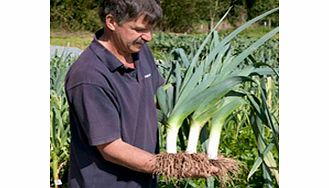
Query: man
[[110, 90]]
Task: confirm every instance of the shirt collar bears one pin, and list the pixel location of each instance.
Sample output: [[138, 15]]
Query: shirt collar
[[105, 55]]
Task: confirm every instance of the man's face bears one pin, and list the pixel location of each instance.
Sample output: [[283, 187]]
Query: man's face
[[130, 36]]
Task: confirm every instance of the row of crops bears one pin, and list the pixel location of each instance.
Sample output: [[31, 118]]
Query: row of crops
[[225, 87]]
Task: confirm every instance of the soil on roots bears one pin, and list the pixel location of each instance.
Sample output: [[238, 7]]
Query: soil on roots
[[184, 165]]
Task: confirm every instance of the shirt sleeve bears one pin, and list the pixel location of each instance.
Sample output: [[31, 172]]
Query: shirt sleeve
[[97, 112]]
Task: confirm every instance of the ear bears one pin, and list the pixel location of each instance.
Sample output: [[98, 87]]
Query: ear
[[110, 22]]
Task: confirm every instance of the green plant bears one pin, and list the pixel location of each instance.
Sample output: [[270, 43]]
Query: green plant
[[59, 120], [194, 87]]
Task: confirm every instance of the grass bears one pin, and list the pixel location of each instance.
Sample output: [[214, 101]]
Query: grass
[[82, 39], [77, 39], [252, 31]]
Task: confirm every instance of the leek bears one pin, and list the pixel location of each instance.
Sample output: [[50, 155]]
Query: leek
[[229, 105], [200, 82], [190, 104], [200, 117]]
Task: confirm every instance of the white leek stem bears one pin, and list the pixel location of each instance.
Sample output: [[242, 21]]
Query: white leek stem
[[193, 137], [214, 138], [172, 133]]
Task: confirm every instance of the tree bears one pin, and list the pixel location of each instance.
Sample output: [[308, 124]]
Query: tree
[[179, 16], [74, 15], [211, 11], [257, 7]]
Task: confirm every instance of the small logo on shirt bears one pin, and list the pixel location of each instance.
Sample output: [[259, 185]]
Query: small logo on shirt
[[147, 75]]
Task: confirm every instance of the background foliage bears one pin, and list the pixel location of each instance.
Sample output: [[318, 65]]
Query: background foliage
[[179, 16], [74, 15]]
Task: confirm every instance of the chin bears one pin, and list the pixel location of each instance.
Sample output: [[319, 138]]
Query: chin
[[136, 49]]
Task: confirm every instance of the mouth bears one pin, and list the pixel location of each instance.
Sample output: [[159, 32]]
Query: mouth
[[139, 43]]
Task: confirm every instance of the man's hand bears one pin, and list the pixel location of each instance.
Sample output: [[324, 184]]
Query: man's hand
[[124, 154]]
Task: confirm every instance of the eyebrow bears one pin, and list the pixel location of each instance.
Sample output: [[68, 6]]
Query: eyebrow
[[142, 27], [139, 27]]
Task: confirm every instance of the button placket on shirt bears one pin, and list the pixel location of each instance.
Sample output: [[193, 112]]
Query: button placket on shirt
[[132, 75]]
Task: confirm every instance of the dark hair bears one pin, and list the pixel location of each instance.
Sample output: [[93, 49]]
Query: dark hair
[[127, 10]]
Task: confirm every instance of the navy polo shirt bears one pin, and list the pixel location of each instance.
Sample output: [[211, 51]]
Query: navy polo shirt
[[108, 101]]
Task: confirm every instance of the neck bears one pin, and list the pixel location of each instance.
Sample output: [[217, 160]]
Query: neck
[[124, 58]]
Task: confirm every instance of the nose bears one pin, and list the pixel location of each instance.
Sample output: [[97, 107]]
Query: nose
[[147, 36]]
